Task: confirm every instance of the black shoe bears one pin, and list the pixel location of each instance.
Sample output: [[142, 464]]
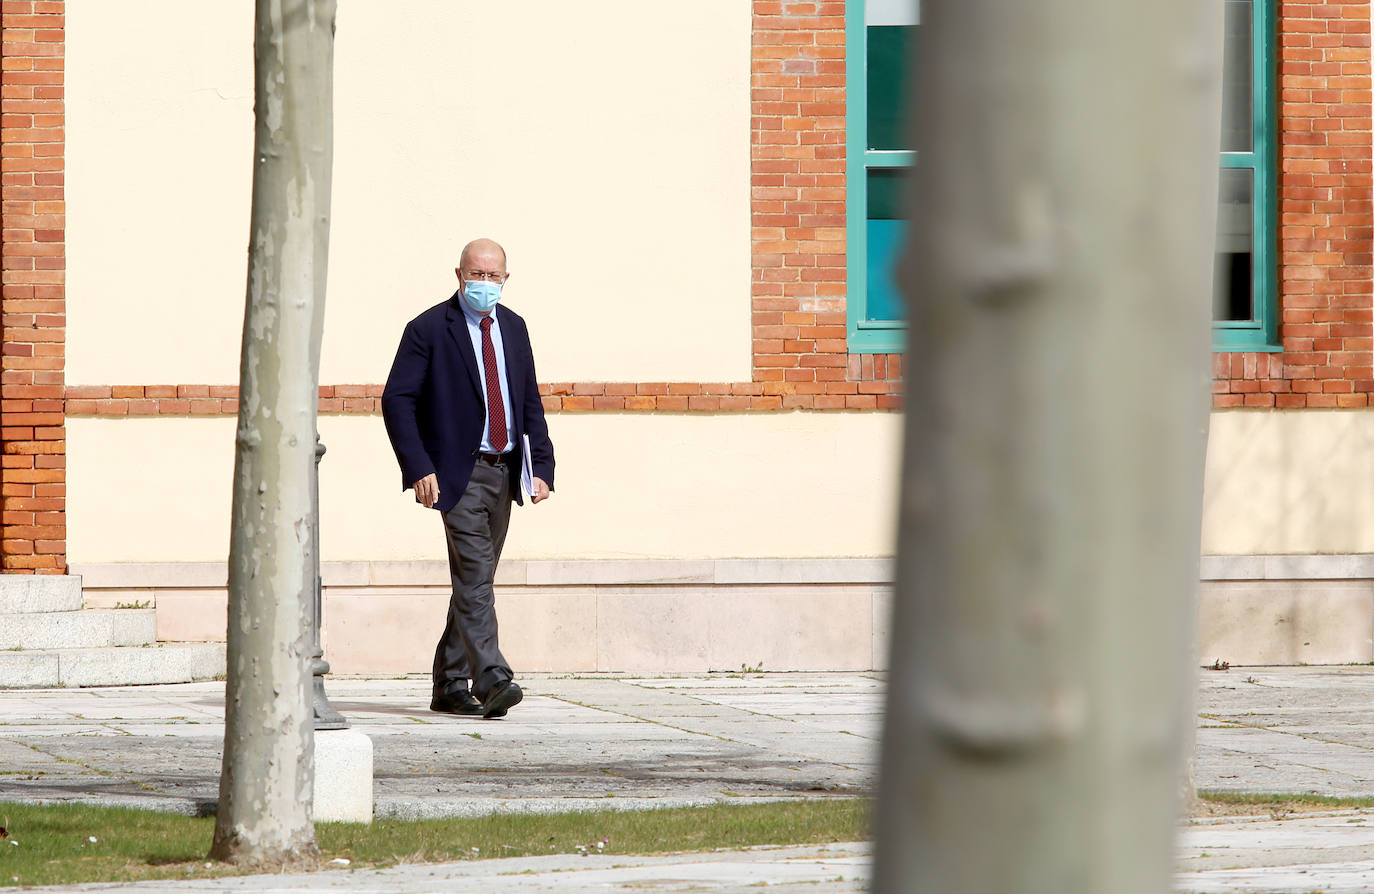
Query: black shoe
[[505, 696], [456, 703]]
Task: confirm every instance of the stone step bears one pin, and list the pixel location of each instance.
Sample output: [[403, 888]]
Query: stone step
[[28, 593], [111, 666], [91, 628]]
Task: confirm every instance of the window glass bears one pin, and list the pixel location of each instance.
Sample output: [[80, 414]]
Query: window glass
[[892, 12], [889, 47], [1232, 287], [885, 230], [1236, 79]]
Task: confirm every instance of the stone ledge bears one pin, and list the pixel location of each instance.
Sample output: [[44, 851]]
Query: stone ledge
[[649, 572], [111, 666], [95, 628], [30, 593], [516, 572], [1345, 566], [29, 670], [151, 575]]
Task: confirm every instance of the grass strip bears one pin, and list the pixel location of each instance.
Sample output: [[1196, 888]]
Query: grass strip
[[1278, 802], [52, 844]]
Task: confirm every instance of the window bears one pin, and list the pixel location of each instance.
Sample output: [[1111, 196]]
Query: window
[[881, 35], [1245, 288]]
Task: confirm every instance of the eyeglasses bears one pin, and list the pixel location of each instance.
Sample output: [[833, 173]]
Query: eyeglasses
[[489, 276]]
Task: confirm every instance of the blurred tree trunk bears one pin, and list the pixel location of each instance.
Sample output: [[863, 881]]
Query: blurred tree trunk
[[1058, 282], [264, 815]]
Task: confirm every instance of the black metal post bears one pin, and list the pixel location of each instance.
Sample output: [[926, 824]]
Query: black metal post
[[325, 715]]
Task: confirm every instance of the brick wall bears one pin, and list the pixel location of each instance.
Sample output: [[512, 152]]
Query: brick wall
[[798, 206], [1326, 303], [33, 476]]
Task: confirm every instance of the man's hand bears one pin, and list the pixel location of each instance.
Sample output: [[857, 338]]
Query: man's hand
[[541, 491], [427, 490]]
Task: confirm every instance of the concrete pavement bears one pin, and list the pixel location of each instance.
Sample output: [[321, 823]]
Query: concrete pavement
[[607, 741], [574, 743], [1299, 730]]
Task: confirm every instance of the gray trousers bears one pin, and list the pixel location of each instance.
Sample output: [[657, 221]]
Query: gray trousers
[[476, 531]]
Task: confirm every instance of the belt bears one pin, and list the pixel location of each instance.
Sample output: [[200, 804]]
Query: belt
[[495, 459]]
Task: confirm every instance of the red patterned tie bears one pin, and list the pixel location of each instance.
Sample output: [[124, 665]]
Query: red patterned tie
[[496, 409]]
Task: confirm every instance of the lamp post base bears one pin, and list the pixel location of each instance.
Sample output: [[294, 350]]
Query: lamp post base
[[325, 715]]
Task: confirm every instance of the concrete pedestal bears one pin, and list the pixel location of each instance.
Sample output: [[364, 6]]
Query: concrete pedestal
[[343, 776]]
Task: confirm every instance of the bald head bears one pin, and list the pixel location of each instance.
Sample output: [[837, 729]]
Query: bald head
[[483, 253], [482, 261]]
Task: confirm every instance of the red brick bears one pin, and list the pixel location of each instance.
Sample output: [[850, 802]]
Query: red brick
[[92, 392]]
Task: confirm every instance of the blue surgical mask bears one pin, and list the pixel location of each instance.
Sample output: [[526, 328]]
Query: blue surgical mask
[[482, 295]]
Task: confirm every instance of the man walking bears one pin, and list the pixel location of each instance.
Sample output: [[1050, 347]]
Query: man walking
[[459, 402]]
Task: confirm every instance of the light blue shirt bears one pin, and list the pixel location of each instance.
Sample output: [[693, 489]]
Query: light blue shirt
[[475, 333]]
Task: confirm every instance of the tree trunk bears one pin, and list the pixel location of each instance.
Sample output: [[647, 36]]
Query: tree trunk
[[1058, 283], [264, 816]]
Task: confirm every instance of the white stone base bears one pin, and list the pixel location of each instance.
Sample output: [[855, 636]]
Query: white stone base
[[343, 777], [649, 616], [699, 615], [1312, 609]]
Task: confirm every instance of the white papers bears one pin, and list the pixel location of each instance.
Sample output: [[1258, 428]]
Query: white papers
[[526, 467]]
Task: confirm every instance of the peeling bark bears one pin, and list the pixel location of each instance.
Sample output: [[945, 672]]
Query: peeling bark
[[1058, 283], [264, 815]]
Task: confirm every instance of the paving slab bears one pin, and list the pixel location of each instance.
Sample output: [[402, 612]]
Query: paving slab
[[1293, 730], [1330, 852], [1300, 730], [574, 743]]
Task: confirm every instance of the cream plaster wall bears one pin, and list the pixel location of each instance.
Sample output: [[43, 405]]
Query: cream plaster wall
[[606, 144], [1295, 481], [628, 485], [681, 486], [159, 144]]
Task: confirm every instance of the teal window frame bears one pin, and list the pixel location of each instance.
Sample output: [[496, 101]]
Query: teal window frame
[[1262, 332], [865, 336]]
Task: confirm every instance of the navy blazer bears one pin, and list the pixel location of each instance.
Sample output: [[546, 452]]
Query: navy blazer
[[433, 404]]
